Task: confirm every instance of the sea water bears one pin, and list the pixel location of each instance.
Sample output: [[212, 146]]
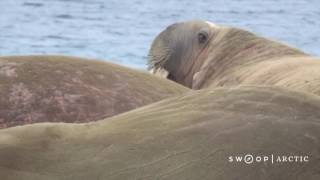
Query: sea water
[[121, 31]]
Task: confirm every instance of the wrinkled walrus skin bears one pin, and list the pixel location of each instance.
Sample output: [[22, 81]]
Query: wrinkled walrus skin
[[67, 89], [200, 54], [190, 136]]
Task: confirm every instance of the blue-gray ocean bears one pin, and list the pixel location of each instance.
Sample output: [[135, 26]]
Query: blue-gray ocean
[[122, 30]]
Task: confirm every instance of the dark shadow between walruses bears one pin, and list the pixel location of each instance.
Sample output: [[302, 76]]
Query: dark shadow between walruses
[[191, 136]]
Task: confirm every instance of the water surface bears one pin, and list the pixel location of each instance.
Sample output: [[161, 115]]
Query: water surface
[[122, 31]]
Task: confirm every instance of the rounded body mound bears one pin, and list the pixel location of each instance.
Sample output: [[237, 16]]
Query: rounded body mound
[[66, 89], [198, 134]]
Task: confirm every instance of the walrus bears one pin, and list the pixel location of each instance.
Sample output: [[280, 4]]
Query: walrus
[[200, 54], [70, 89], [197, 135]]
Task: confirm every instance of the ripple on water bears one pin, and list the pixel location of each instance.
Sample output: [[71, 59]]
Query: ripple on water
[[33, 4]]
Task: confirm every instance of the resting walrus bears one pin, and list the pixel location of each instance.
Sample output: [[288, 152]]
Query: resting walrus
[[66, 89], [200, 54], [193, 136]]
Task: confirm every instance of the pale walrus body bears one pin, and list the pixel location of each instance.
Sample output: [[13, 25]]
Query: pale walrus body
[[65, 89], [193, 136], [200, 54]]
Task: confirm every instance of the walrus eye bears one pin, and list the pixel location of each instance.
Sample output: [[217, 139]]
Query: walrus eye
[[202, 37]]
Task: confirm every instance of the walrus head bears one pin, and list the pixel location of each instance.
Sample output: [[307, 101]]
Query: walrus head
[[199, 54], [178, 51]]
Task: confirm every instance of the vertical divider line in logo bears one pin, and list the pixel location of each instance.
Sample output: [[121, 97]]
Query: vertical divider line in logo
[[271, 158]]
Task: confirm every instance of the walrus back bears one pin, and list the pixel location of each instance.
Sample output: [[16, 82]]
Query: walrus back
[[68, 89], [182, 137], [240, 57]]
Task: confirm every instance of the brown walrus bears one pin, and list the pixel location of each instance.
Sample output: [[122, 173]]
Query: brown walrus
[[197, 135], [200, 54], [67, 89]]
